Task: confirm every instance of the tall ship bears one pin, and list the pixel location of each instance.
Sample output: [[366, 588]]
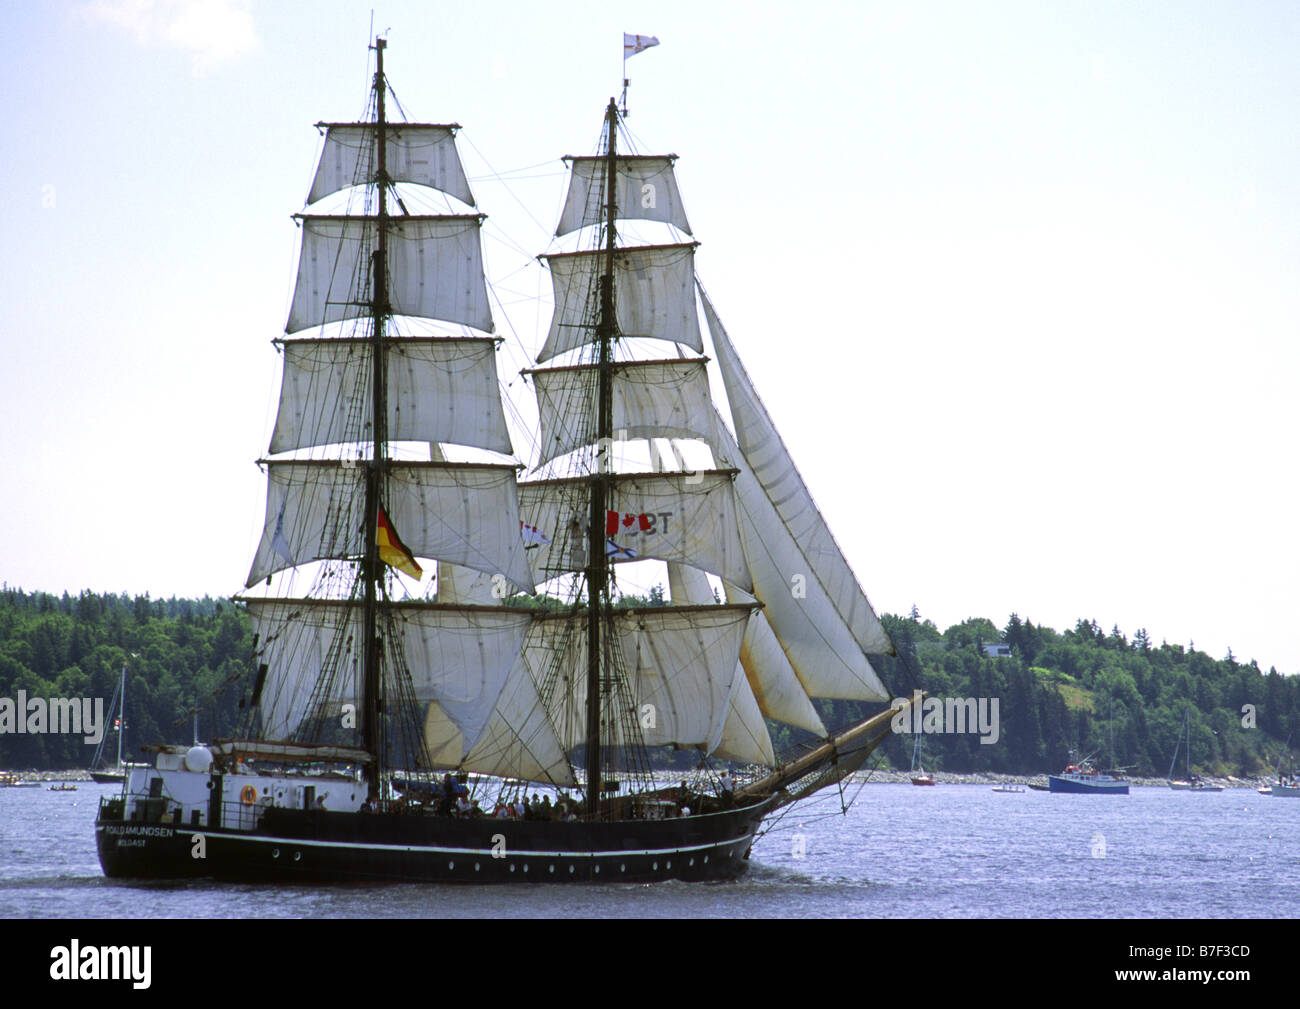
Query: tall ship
[[450, 684]]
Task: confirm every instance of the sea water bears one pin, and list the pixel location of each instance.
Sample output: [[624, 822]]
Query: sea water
[[951, 851]]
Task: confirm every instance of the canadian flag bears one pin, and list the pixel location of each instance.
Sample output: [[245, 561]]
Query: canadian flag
[[626, 522]]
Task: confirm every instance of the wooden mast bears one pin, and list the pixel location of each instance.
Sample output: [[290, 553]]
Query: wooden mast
[[371, 570], [598, 559]]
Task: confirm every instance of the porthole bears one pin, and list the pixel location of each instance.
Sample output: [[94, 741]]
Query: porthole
[[476, 867], [275, 852], [512, 868], [570, 870], [622, 868], [451, 865], [597, 870], [297, 856], [668, 865], [552, 870], [654, 866], [525, 867], [692, 862]]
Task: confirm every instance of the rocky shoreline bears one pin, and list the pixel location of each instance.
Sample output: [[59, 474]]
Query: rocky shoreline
[[869, 777], [947, 778], [30, 774]]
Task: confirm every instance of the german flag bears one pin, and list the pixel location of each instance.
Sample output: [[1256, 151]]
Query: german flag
[[392, 551]]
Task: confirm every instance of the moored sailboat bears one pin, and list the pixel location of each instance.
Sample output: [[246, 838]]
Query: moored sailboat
[[1193, 782], [492, 689]]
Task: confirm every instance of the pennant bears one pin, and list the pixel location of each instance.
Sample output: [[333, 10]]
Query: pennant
[[633, 44], [392, 551], [532, 534], [617, 553]]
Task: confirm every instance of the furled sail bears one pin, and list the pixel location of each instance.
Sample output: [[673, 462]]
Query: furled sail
[[687, 517], [439, 389], [645, 189], [650, 399], [654, 296], [435, 270], [421, 153], [775, 472], [457, 657], [464, 513]]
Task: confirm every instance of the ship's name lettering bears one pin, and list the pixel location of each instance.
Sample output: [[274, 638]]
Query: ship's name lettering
[[140, 831]]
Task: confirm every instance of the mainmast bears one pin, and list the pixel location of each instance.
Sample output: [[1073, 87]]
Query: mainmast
[[372, 570], [598, 559]]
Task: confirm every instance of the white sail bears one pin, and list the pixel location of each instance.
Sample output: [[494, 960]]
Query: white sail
[[654, 296], [466, 514], [686, 517], [777, 689], [650, 399], [421, 153], [744, 734], [645, 189], [741, 734], [435, 270], [679, 665], [520, 740], [458, 658], [824, 654], [294, 638], [775, 472], [442, 389]]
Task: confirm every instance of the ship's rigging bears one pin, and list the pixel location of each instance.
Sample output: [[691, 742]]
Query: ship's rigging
[[583, 687]]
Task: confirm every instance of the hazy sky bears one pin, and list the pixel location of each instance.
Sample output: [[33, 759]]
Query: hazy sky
[[1017, 281]]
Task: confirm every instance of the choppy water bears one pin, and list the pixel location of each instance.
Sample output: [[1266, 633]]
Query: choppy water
[[959, 851]]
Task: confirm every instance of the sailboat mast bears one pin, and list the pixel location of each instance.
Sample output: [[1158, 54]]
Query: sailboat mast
[[371, 568], [121, 713], [598, 559]]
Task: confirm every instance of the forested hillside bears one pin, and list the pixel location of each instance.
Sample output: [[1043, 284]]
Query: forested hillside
[[1079, 688]]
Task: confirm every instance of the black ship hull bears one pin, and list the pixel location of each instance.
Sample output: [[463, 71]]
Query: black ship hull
[[299, 846]]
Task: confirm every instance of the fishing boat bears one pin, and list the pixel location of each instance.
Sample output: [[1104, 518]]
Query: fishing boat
[[1083, 778], [1192, 783], [1012, 789], [519, 697]]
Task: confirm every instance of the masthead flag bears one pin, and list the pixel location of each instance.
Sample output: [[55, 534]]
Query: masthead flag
[[633, 44], [392, 551]]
